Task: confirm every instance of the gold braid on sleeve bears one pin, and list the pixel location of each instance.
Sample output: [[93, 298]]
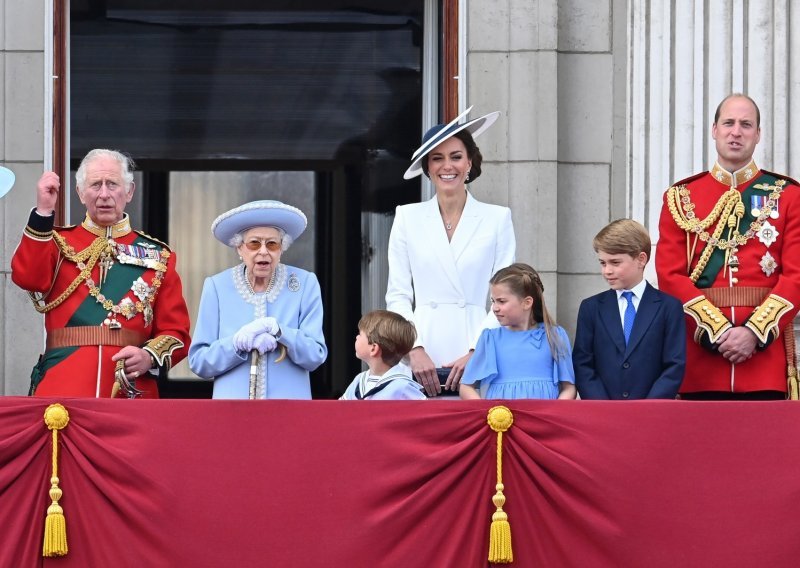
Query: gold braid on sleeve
[[708, 317], [764, 319], [161, 348]]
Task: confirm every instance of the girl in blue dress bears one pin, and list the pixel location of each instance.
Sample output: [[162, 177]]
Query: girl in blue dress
[[529, 356]]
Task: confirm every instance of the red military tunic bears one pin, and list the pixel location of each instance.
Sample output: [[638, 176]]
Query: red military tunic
[[140, 303], [752, 278]]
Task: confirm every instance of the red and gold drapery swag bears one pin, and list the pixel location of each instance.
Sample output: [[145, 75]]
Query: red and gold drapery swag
[[381, 483]]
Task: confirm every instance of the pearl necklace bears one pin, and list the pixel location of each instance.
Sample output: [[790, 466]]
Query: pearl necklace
[[270, 284]]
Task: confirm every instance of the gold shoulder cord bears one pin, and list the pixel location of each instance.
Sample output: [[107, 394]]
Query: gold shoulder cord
[[86, 261], [727, 212]]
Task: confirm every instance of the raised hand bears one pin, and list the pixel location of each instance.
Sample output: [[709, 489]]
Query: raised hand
[[47, 193]]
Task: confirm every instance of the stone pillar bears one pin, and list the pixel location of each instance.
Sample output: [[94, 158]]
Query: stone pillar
[[22, 111]]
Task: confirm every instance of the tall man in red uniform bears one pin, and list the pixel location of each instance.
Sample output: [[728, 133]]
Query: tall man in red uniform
[[729, 249], [113, 303]]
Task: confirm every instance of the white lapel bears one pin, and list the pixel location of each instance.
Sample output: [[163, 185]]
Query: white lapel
[[466, 228], [435, 236]]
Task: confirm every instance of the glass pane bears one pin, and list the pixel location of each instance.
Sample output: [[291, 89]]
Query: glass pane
[[212, 80]]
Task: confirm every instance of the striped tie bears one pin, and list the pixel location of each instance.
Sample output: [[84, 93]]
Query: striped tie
[[630, 315]]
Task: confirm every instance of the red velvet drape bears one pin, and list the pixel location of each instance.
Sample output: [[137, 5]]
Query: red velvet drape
[[374, 483]]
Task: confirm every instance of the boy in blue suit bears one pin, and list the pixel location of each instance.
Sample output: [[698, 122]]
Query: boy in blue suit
[[631, 340]]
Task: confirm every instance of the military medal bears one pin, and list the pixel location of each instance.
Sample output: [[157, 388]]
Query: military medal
[[757, 204], [768, 233]]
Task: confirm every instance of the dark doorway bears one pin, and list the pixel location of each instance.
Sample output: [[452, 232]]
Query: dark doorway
[[331, 88]]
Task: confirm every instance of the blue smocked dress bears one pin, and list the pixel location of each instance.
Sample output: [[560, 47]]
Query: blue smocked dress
[[518, 364]]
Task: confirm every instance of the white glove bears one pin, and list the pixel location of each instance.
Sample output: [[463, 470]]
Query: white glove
[[260, 325], [244, 338], [265, 343]]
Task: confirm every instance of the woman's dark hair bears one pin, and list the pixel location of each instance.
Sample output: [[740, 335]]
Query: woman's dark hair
[[473, 153]]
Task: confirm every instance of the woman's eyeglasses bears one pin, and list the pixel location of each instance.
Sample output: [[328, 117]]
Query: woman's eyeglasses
[[255, 245]]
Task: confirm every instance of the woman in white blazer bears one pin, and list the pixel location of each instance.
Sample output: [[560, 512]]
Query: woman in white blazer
[[443, 252]]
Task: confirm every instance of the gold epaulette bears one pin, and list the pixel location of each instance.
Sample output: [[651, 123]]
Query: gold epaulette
[[161, 348], [709, 318], [764, 319], [155, 240]]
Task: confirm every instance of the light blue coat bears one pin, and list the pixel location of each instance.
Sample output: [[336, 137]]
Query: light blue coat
[[227, 304]]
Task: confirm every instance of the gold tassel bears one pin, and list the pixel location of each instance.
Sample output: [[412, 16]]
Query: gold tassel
[[792, 383], [55, 527], [500, 419], [793, 386]]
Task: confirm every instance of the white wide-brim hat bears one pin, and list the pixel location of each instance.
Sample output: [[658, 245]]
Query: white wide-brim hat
[[441, 132], [6, 180], [264, 213]]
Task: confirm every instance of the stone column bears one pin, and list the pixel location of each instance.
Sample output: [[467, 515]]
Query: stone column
[[22, 122]]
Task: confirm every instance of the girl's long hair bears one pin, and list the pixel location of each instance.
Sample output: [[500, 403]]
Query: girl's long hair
[[522, 280]]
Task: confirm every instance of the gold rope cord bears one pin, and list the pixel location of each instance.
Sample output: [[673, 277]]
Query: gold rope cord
[[500, 419], [56, 418]]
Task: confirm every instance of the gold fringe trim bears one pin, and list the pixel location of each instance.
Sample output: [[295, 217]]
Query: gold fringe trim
[[56, 418], [500, 419]]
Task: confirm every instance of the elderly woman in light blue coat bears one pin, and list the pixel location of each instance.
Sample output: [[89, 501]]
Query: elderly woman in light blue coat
[[258, 331]]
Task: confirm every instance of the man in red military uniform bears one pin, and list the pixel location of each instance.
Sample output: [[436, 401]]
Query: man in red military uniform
[[729, 249], [113, 303]]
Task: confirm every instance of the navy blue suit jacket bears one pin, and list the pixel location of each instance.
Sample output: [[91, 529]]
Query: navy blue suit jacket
[[650, 366]]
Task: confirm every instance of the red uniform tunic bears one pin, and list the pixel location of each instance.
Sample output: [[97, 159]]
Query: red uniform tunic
[[761, 292], [142, 293]]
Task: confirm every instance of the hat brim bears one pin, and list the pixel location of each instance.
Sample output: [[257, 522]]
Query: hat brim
[[259, 214], [476, 127], [7, 179]]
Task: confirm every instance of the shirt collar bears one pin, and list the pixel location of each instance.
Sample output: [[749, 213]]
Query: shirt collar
[[637, 290], [737, 178]]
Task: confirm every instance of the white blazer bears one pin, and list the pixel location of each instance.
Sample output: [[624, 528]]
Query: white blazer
[[442, 286]]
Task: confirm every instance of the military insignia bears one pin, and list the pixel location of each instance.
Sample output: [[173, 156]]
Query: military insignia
[[768, 233], [768, 264], [127, 308], [774, 213], [294, 282], [140, 289]]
